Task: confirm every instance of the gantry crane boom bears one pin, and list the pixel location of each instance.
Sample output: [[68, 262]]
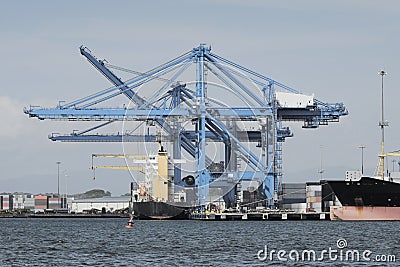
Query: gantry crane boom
[[99, 65]]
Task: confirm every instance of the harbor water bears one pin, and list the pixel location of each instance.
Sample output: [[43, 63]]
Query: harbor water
[[105, 242]]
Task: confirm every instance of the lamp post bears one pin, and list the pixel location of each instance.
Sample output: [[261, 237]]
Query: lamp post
[[382, 124], [321, 171], [64, 205], [58, 182], [362, 158]]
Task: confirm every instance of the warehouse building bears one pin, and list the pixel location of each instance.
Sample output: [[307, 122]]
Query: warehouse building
[[104, 205]]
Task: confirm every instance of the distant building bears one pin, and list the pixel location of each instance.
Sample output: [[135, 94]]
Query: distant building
[[105, 204]]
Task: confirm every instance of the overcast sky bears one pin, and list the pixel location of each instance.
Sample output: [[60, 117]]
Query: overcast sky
[[333, 49]]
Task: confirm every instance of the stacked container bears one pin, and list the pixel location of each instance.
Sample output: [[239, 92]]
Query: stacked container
[[6, 202], [293, 196], [41, 203], [29, 202], [313, 197], [54, 203]]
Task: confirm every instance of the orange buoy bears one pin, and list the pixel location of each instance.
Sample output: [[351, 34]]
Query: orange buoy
[[130, 222]]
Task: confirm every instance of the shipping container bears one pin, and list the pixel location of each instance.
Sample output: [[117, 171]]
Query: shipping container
[[41, 202], [293, 200], [29, 204], [293, 186], [294, 195], [6, 202]]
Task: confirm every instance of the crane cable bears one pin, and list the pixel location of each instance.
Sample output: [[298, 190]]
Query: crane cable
[[145, 73]]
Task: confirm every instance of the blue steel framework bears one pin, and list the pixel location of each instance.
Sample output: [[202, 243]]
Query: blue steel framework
[[213, 122]]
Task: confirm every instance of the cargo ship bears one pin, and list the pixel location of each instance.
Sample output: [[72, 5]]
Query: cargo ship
[[151, 210], [155, 197], [366, 198]]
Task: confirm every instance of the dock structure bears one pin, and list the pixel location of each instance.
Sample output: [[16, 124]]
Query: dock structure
[[260, 216]]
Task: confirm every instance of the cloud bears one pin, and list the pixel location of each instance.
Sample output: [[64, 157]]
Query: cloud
[[15, 123], [11, 117]]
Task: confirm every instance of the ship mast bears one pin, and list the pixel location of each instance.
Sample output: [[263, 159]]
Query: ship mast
[[382, 124]]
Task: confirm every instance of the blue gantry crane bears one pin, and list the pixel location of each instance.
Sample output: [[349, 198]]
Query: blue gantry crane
[[224, 103]]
